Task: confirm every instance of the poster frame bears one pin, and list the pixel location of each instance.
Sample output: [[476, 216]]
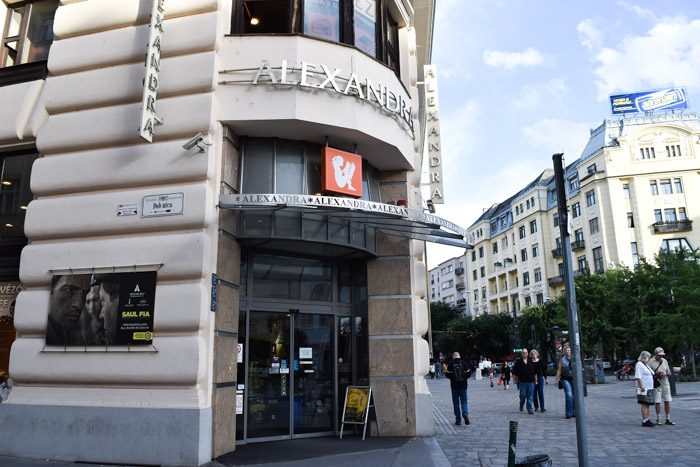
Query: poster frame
[[370, 405]]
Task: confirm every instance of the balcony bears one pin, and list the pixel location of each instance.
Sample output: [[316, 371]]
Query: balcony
[[498, 264], [459, 271], [460, 285], [578, 245], [580, 272], [556, 280], [557, 252], [673, 226], [461, 303]]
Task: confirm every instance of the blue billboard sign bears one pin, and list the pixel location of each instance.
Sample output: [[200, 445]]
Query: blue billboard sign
[[663, 99]]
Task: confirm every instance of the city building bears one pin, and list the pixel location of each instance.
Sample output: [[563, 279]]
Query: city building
[[634, 190], [448, 284], [211, 246]]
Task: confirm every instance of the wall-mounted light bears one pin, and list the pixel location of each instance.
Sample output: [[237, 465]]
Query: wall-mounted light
[[23, 208], [9, 226], [254, 21], [6, 182]]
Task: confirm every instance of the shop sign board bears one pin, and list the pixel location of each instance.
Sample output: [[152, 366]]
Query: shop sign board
[[356, 408], [323, 77], [149, 119], [432, 109], [342, 172], [101, 309], [648, 101], [8, 295], [168, 204]]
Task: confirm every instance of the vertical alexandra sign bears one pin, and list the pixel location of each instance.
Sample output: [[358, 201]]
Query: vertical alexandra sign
[[149, 119], [432, 123]]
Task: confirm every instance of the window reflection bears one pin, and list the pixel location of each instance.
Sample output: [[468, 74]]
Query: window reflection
[[322, 19], [291, 278], [366, 26]]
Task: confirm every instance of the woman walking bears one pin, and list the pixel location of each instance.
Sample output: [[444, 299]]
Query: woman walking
[[540, 380], [505, 373], [645, 386], [565, 378]]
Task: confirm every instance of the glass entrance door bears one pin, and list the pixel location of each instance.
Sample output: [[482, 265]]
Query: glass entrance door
[[275, 379]]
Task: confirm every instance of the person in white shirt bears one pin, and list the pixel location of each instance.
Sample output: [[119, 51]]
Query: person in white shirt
[[645, 383]]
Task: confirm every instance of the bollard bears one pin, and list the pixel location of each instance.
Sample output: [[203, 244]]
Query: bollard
[[512, 442]]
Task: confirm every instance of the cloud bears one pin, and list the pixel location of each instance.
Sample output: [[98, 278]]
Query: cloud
[[511, 60], [590, 34], [531, 96], [642, 12], [667, 55], [552, 135]]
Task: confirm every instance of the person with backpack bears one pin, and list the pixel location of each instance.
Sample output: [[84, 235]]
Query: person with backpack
[[459, 371]]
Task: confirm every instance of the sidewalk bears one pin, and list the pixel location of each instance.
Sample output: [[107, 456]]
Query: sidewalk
[[615, 434]]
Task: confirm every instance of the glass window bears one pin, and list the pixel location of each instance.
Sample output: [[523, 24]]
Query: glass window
[[474, 274], [654, 188], [573, 184], [28, 32], [670, 215], [630, 220], [482, 271], [626, 190], [528, 300], [366, 26], [594, 226], [590, 198], [322, 19], [657, 215], [526, 278], [556, 220], [678, 185], [289, 165], [598, 259], [540, 298], [266, 17], [483, 292], [258, 175], [523, 254], [666, 187], [495, 247], [15, 194], [538, 275], [535, 250], [533, 227], [682, 214], [481, 252], [673, 244], [291, 278], [473, 255], [521, 231], [578, 235], [635, 253], [581, 263], [576, 210]]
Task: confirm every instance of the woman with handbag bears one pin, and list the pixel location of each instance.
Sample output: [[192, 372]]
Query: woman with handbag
[[564, 379], [645, 386]]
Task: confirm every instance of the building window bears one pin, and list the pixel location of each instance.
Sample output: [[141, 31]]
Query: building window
[[495, 247], [573, 184], [476, 295], [635, 253], [528, 300], [670, 215], [535, 250], [481, 252], [674, 244], [594, 226], [626, 190], [523, 254], [483, 292], [630, 220], [555, 219], [521, 231], [578, 235], [540, 298], [591, 169], [598, 259], [504, 242], [526, 278], [474, 274], [27, 32], [533, 227], [666, 187], [654, 187], [590, 198], [647, 153], [682, 216], [352, 22], [657, 216], [581, 263], [473, 255], [677, 185], [576, 209], [673, 151], [15, 194], [482, 271], [538, 275]]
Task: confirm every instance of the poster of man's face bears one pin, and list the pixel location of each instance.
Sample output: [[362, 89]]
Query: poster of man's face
[[101, 309]]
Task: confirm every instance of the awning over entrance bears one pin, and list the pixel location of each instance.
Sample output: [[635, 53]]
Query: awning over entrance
[[386, 218]]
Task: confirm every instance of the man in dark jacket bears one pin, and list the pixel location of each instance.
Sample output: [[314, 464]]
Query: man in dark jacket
[[459, 372], [524, 375]]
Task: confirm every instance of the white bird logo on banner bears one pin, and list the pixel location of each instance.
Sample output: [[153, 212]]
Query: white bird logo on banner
[[343, 174]]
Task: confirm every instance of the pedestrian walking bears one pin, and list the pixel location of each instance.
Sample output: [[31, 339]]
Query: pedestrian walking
[[506, 375], [540, 380], [660, 367], [524, 376], [564, 380], [431, 369], [458, 371], [491, 375], [645, 386]]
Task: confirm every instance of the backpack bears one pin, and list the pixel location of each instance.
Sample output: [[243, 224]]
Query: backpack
[[459, 372]]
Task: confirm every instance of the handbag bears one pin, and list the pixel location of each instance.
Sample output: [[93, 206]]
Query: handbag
[[645, 397]]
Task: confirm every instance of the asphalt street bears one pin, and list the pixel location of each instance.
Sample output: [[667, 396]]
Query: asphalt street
[[615, 434]]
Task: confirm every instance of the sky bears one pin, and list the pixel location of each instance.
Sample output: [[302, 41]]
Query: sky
[[520, 80]]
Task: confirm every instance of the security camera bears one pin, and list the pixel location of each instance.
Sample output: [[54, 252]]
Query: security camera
[[198, 141], [431, 206]]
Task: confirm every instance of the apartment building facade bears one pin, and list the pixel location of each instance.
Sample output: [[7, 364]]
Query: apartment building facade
[[634, 190], [448, 284]]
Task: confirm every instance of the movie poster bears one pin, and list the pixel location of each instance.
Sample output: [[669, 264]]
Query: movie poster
[[101, 309]]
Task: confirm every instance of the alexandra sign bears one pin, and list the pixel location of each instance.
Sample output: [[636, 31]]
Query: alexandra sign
[[321, 77], [251, 200], [149, 119], [432, 109]]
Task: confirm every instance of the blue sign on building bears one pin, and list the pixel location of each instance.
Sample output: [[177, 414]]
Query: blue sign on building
[[663, 99]]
